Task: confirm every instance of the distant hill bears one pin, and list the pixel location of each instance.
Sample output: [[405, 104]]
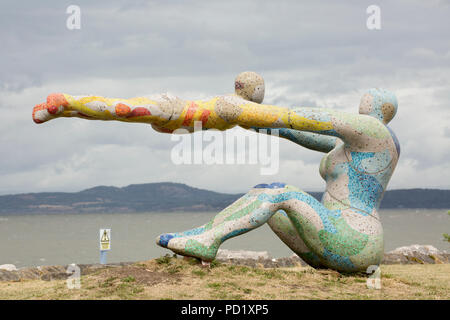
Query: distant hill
[[175, 197]]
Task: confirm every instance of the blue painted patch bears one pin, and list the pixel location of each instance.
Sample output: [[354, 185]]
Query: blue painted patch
[[311, 258], [234, 234], [331, 132], [192, 232], [260, 216], [164, 239], [338, 262], [365, 190], [394, 137], [283, 213], [275, 185], [323, 212], [311, 140], [290, 134], [294, 135], [261, 186], [380, 97]]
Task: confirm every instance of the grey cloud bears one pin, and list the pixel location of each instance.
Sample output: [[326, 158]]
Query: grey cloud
[[310, 54], [161, 38]]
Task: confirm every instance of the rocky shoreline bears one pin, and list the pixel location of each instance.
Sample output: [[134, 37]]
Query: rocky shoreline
[[414, 254]]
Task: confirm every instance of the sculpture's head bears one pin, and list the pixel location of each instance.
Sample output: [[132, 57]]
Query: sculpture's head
[[250, 86], [379, 103]]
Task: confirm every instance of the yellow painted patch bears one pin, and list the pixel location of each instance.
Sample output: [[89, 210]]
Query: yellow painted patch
[[302, 123], [259, 115], [214, 121]]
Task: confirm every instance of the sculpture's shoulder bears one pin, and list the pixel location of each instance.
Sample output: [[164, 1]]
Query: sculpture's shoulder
[[354, 127]]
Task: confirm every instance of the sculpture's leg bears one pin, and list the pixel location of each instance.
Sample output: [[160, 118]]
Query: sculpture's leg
[[249, 212], [341, 239], [286, 231], [324, 237], [206, 239]]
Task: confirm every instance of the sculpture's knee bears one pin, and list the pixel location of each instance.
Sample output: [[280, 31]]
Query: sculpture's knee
[[277, 194], [275, 185]]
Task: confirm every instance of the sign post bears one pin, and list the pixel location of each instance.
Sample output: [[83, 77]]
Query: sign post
[[105, 244]]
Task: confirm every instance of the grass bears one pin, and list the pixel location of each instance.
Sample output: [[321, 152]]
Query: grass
[[129, 279], [168, 278]]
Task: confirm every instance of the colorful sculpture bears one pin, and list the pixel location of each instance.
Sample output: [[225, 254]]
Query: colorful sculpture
[[342, 232]]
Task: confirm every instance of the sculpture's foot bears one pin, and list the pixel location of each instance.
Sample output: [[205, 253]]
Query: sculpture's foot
[[55, 105], [203, 246]]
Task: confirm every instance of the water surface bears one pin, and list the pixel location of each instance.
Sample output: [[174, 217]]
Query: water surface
[[31, 240]]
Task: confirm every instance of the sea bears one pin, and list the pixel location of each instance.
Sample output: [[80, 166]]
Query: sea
[[61, 239]]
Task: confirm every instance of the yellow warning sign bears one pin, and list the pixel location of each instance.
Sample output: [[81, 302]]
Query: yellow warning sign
[[105, 239]]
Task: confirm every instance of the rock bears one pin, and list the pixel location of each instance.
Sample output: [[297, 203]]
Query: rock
[[394, 258], [417, 248], [8, 267], [55, 276], [29, 273], [224, 254], [52, 269], [48, 273], [292, 261], [422, 254], [259, 259], [9, 276]]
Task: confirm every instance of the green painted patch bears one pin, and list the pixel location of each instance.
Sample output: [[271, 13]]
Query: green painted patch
[[197, 249], [310, 258], [335, 205], [346, 241], [307, 231], [370, 126], [244, 211]]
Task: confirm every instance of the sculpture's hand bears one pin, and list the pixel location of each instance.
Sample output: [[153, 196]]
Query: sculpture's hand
[[156, 112], [54, 107]]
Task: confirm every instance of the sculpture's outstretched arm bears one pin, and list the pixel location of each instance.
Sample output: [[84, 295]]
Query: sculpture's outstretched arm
[[168, 113], [164, 112], [313, 141], [353, 129], [157, 110]]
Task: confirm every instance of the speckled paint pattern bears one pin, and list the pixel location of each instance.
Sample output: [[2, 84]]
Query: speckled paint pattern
[[342, 231]]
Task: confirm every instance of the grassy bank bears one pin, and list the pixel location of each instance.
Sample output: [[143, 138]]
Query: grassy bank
[[170, 278]]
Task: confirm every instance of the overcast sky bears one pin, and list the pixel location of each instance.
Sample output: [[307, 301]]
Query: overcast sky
[[310, 54]]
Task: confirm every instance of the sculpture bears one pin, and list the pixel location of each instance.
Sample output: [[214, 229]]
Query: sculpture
[[342, 232]]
